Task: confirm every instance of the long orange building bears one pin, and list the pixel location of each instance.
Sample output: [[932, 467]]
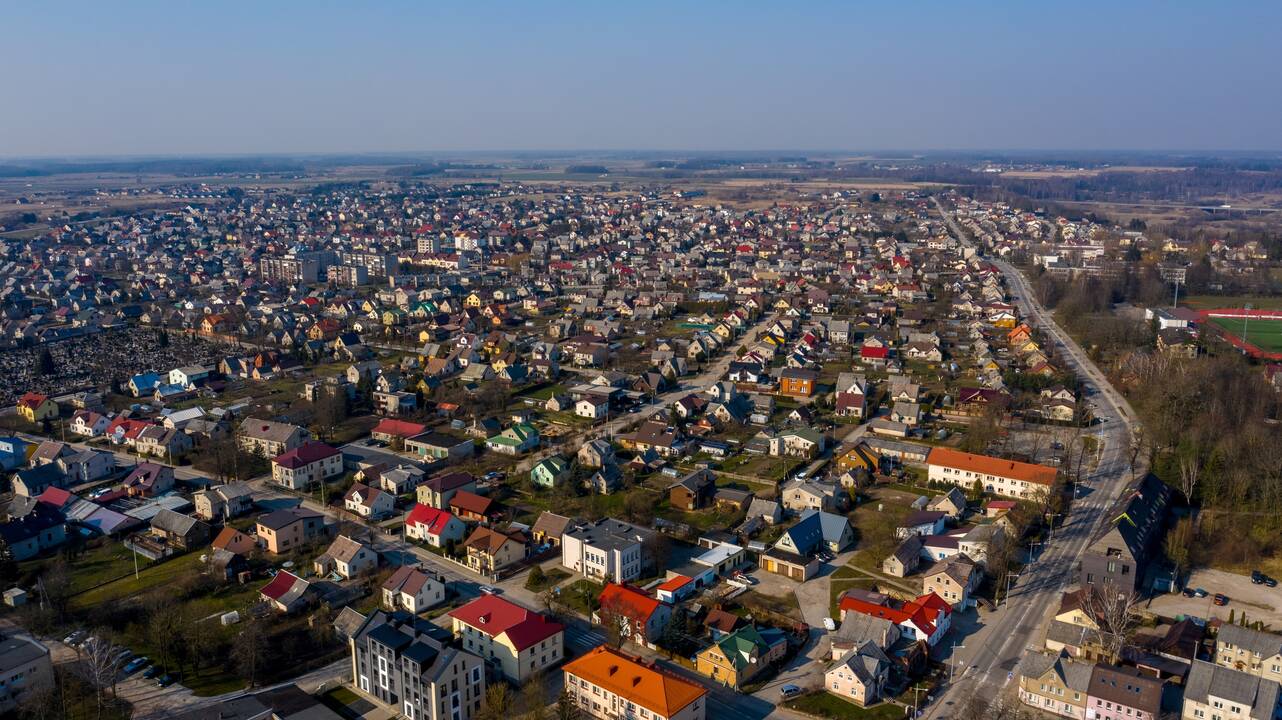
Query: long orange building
[[606, 683]]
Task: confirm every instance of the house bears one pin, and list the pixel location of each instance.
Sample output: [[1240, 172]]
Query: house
[[836, 530], [1119, 553], [144, 384], [180, 531], [35, 407], [149, 480], [1009, 478], [796, 382], [607, 548], [1122, 693], [470, 507], [489, 550], [400, 480], [1210, 690], [794, 553], [1253, 652], [641, 617], [389, 430], [368, 502], [802, 495], [740, 656], [859, 675], [665, 440], [287, 593], [88, 423], [413, 589], [26, 672], [951, 503], [593, 407], [768, 510], [234, 541], [1054, 684], [927, 618], [269, 438], [41, 529], [282, 531], [693, 491], [87, 466], [407, 665], [518, 439], [905, 559], [550, 471], [798, 442], [14, 452], [549, 528], [434, 526], [223, 502], [596, 453], [440, 446], [605, 680], [307, 464], [955, 580], [347, 558], [438, 490], [519, 643], [921, 522], [35, 480]]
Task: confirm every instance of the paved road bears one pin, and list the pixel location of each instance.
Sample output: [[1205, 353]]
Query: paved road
[[988, 658]]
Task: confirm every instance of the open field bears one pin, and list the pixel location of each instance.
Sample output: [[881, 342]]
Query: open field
[[1264, 334], [1085, 172]]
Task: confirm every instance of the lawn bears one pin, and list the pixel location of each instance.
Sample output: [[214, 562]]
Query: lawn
[[97, 565], [768, 469], [550, 578], [149, 576], [1211, 302], [826, 705], [581, 596], [1264, 334]]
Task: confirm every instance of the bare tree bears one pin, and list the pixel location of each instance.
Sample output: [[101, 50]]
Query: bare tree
[[615, 621], [1190, 473], [248, 649], [1114, 616], [99, 665]]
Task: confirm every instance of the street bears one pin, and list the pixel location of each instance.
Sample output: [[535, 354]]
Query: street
[[986, 660]]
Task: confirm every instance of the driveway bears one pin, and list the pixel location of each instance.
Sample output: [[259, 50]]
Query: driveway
[[1259, 602]]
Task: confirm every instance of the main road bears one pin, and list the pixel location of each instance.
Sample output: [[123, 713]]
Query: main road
[[985, 662]]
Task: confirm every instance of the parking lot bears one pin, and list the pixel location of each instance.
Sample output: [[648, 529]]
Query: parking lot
[[1259, 602]]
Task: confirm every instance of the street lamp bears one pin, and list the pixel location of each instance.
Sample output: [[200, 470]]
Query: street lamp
[[1006, 596], [952, 667], [1245, 317]]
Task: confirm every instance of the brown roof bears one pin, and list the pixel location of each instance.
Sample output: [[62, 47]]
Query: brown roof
[[1127, 687], [234, 541], [491, 541]]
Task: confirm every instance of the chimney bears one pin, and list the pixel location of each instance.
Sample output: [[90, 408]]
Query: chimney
[[613, 669]]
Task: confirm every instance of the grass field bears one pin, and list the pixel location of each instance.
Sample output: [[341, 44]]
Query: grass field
[[1212, 302], [1264, 334]]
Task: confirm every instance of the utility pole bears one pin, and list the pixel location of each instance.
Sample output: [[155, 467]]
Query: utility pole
[[952, 666], [1245, 317]]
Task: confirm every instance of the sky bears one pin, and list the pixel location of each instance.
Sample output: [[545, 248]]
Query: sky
[[229, 77]]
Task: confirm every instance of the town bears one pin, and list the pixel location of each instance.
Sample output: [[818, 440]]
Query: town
[[481, 449]]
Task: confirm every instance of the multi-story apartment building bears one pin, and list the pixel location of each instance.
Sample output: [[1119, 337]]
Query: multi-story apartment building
[[1212, 692], [349, 275], [377, 265], [519, 642], [310, 463], [1249, 651], [1119, 553], [406, 664], [1055, 684], [607, 548], [26, 667], [1009, 478], [609, 684], [308, 267]]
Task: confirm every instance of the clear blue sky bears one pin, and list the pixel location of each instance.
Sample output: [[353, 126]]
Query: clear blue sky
[[138, 77]]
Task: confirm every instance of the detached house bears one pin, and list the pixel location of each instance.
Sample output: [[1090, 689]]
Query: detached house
[[434, 526], [413, 589], [310, 463], [369, 502]]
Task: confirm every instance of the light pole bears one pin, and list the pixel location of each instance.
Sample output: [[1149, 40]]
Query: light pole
[[1006, 596], [952, 667], [1245, 317]]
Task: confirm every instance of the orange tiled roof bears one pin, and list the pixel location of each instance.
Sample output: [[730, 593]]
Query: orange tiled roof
[[624, 675], [1028, 472]]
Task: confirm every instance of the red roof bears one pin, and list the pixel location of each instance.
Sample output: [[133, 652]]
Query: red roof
[[398, 428], [472, 503], [495, 616], [305, 454], [56, 497], [675, 583], [924, 612], [434, 518], [280, 585], [629, 602], [32, 400], [873, 352]]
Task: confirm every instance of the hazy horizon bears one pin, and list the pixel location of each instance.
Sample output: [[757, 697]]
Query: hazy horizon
[[159, 80]]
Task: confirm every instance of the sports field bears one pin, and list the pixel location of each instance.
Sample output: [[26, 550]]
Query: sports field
[[1266, 334]]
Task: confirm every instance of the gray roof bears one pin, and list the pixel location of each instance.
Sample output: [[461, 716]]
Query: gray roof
[[864, 660], [1264, 644], [173, 522], [1074, 675], [1206, 679], [859, 628], [17, 651]]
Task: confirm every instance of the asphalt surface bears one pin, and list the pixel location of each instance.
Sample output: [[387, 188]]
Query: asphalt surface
[[984, 662]]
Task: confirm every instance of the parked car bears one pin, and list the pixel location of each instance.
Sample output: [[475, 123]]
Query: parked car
[[1189, 592], [73, 638], [152, 672], [136, 664], [1257, 577], [489, 590], [1200, 592], [1221, 599], [788, 691], [1270, 582], [165, 680]]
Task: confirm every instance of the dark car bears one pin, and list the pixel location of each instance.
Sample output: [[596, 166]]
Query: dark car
[[165, 680], [1257, 577], [1221, 599], [1188, 592], [152, 672], [1270, 581]]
